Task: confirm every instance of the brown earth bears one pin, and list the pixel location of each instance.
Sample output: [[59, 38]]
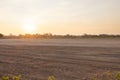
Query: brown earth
[[37, 62]]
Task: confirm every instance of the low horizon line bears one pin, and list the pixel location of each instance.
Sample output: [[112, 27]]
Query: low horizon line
[[58, 34]]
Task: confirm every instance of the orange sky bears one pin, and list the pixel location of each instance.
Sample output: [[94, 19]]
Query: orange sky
[[60, 16]]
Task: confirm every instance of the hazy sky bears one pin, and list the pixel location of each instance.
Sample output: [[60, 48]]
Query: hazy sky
[[60, 16]]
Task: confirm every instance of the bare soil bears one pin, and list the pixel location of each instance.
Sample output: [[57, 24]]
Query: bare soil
[[64, 59]]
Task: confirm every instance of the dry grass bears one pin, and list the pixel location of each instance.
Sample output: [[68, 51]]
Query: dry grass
[[105, 76]]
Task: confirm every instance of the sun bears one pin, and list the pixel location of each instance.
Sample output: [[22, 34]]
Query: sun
[[29, 26]]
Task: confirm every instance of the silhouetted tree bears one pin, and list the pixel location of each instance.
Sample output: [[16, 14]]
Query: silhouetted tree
[[1, 35]]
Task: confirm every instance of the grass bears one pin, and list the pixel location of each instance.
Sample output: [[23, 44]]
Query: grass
[[105, 76]]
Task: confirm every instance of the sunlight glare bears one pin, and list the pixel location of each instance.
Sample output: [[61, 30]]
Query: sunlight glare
[[29, 26]]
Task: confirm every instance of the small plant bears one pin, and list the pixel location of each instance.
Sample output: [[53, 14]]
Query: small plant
[[117, 75], [51, 78], [5, 78], [17, 77]]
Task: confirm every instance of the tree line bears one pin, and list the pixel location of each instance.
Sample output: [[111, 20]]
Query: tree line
[[51, 36]]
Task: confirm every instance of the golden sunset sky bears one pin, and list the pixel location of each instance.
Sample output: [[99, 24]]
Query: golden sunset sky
[[60, 16]]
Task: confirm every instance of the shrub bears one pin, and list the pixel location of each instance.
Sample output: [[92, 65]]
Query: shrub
[[1, 35]]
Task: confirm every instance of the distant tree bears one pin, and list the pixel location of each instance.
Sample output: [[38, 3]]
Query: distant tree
[[1, 35]]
